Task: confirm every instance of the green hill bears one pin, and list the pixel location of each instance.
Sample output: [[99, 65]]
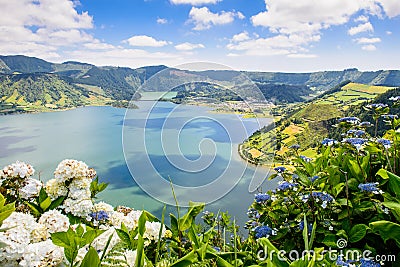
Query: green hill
[[309, 123], [40, 92]]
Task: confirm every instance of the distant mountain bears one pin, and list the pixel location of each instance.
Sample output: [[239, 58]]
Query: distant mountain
[[40, 89], [24, 64], [120, 83]]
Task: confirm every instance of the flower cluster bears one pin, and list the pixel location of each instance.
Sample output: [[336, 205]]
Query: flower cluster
[[370, 188], [22, 248], [356, 142], [17, 169], [324, 197], [386, 143], [73, 179], [350, 120], [328, 142], [264, 231], [285, 185], [262, 198]]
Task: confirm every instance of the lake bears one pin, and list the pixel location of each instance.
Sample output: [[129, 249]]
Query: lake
[[192, 146]]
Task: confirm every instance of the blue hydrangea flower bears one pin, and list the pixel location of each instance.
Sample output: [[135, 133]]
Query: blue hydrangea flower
[[309, 227], [324, 197], [295, 176], [280, 169], [356, 142], [262, 198], [390, 116], [386, 143], [99, 215], [264, 231], [377, 106], [369, 263], [312, 179], [341, 262], [328, 142], [306, 159], [284, 185], [351, 120], [357, 133], [365, 124], [305, 197], [370, 188], [295, 146]]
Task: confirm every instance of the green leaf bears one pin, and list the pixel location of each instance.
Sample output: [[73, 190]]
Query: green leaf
[[89, 236], [387, 230], [45, 204], [186, 260], [70, 254], [124, 237], [355, 169], [330, 240], [186, 221], [140, 252], [383, 174], [60, 239], [91, 258], [42, 195], [2, 201], [6, 211], [174, 225], [394, 207], [394, 183], [57, 202], [357, 233]]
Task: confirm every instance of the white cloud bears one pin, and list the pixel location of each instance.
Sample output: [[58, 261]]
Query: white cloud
[[361, 18], [144, 40], [302, 55], [203, 18], [388, 32], [391, 7], [369, 47], [194, 2], [188, 46], [42, 27], [162, 21], [306, 19], [368, 40], [365, 27], [277, 45], [243, 36]]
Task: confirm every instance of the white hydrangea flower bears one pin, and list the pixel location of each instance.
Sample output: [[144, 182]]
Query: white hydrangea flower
[[17, 169], [153, 230], [54, 221], [130, 220], [102, 206], [77, 193], [78, 207], [40, 233], [44, 253], [81, 183], [18, 236], [31, 188], [69, 169], [55, 189]]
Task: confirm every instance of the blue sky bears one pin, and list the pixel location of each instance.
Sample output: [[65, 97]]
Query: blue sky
[[263, 35]]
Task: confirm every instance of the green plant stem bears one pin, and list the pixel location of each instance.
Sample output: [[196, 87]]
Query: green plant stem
[[347, 195]]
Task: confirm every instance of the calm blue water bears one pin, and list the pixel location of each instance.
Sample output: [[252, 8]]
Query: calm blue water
[[188, 144]]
